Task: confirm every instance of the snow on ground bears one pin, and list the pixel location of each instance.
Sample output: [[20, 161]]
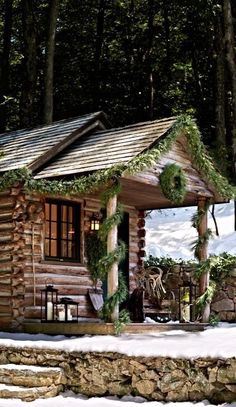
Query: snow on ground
[[69, 399], [170, 233], [216, 342]]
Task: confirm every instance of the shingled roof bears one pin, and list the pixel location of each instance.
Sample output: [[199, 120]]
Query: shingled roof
[[103, 149], [32, 148]]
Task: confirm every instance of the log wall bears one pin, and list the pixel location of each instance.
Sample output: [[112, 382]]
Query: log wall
[[23, 271]]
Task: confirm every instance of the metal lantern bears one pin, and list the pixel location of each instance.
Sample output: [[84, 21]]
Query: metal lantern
[[187, 298], [68, 310], [49, 298], [95, 223]]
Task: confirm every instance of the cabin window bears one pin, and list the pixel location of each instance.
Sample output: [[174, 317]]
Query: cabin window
[[62, 237]]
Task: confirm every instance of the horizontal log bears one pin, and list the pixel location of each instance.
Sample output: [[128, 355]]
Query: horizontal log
[[82, 299], [65, 292], [59, 280], [61, 269]]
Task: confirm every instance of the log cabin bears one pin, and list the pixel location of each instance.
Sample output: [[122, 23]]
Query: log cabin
[[42, 230]]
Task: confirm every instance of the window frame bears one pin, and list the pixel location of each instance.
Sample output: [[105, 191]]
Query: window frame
[[76, 224]]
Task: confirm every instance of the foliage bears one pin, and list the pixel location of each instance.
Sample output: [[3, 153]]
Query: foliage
[[95, 250], [200, 242], [160, 261], [123, 320], [105, 263], [173, 183], [117, 298], [113, 220], [206, 297], [219, 266], [134, 60], [214, 319], [166, 262]]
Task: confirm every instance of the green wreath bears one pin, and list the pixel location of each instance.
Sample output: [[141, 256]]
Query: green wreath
[[173, 183]]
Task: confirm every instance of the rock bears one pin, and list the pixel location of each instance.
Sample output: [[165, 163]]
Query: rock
[[29, 394], [180, 395], [145, 387], [228, 374], [223, 305], [119, 389], [213, 374], [219, 295], [136, 366]]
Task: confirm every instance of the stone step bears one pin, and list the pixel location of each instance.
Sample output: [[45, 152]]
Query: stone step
[[8, 391], [31, 376]]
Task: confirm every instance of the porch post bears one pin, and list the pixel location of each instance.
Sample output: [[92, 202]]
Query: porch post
[[203, 254], [112, 240]]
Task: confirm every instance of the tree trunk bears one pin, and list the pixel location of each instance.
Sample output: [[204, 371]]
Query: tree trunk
[[149, 57], [220, 93], [49, 61], [204, 280], [5, 62], [98, 54], [231, 63], [29, 64]]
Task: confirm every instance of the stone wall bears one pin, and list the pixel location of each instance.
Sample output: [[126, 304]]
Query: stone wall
[[156, 378], [224, 302]]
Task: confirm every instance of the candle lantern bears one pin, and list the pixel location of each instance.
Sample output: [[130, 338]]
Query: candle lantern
[[95, 222], [187, 299], [68, 310], [49, 299]]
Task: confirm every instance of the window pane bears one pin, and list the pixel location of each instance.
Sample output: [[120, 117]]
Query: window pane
[[54, 212], [47, 229], [53, 244], [64, 209], [47, 247], [63, 230], [64, 248], [47, 211], [53, 230]]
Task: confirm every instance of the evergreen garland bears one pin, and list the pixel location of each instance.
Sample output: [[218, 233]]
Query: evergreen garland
[[173, 183], [200, 242], [117, 298], [95, 249]]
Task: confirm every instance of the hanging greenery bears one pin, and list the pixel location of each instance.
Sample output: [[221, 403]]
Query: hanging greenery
[[117, 298], [105, 263], [173, 183], [200, 242], [206, 297], [113, 220], [95, 249], [198, 216]]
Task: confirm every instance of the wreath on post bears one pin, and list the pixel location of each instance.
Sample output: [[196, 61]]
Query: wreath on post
[[173, 183]]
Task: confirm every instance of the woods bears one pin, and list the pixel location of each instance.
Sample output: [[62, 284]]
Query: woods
[[135, 60]]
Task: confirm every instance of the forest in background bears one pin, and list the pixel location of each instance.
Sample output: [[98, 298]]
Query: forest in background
[[134, 59]]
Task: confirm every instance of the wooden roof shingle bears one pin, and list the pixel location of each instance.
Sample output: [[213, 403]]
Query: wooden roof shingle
[[103, 149], [34, 147]]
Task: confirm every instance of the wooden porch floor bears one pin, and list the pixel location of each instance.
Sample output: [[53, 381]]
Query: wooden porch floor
[[101, 328]]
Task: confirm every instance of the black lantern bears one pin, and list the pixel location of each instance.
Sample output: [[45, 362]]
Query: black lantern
[[49, 298], [95, 222], [68, 310], [187, 299]]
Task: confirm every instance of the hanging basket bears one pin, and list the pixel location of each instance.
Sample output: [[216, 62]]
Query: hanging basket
[[173, 183]]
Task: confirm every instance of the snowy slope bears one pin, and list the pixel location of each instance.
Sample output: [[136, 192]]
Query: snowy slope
[[169, 232]]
